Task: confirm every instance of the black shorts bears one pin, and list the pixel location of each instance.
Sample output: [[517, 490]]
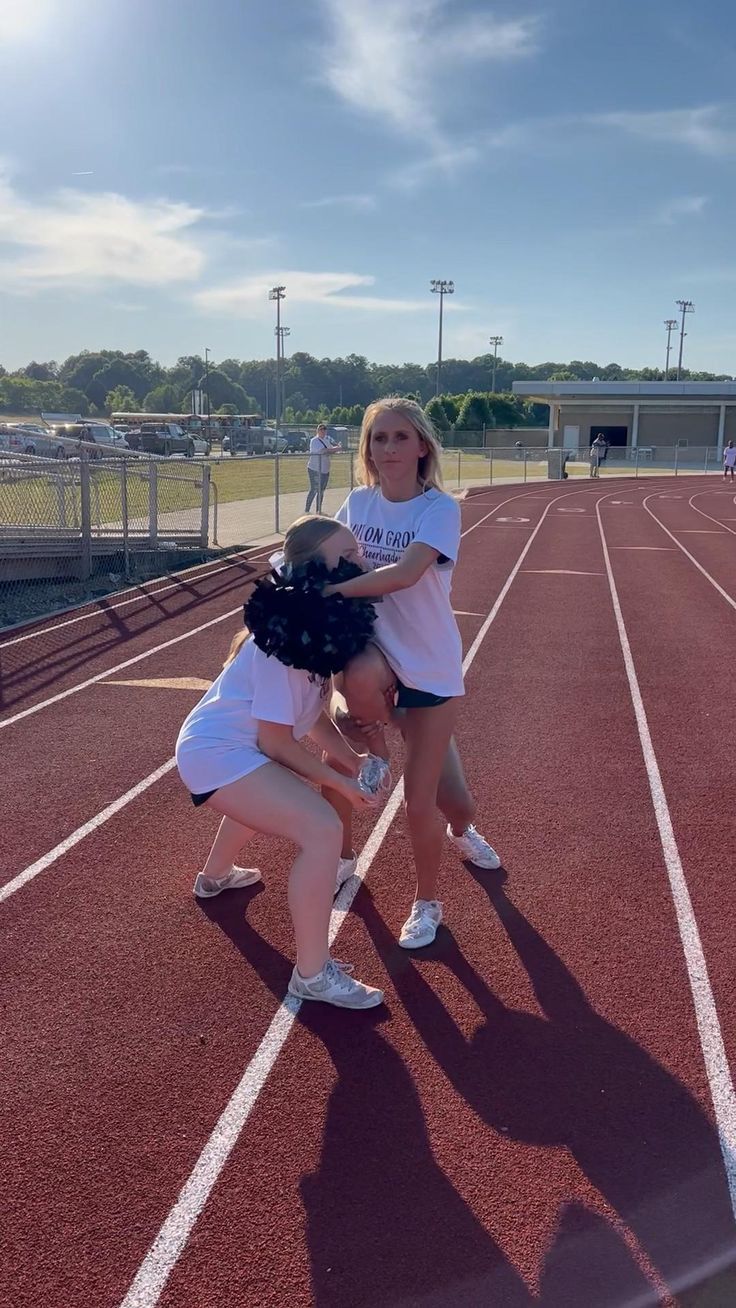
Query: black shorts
[[202, 799], [407, 698]]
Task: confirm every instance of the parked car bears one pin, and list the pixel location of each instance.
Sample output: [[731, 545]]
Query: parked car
[[255, 440], [25, 438], [99, 439], [201, 445], [161, 438], [297, 442]]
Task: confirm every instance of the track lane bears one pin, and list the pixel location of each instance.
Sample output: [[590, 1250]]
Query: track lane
[[530, 1123]]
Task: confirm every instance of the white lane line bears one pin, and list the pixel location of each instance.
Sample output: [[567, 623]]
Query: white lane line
[[709, 516], [140, 597], [661, 549], [109, 672], [686, 552], [167, 1247], [29, 873], [699, 531], [558, 572], [706, 1014]]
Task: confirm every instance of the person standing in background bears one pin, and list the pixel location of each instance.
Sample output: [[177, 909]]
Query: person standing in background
[[321, 450]]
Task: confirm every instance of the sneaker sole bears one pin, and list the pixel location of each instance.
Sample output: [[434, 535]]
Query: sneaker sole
[[212, 894], [371, 1002], [417, 944]]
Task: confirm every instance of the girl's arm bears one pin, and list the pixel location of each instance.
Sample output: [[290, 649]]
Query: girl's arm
[[277, 741], [415, 561], [329, 738]]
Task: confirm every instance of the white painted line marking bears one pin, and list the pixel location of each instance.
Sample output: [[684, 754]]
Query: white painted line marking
[[29, 873], [687, 553], [560, 572], [698, 531], [706, 1013], [572, 510], [463, 613], [605, 506], [512, 519], [164, 1253], [665, 549], [109, 672], [166, 683]]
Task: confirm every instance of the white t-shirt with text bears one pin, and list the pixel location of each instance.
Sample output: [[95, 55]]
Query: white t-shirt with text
[[218, 742], [415, 628]]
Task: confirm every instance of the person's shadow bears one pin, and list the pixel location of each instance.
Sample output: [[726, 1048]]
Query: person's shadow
[[571, 1080]]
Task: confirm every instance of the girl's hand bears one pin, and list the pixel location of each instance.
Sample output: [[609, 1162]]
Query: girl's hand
[[352, 791]]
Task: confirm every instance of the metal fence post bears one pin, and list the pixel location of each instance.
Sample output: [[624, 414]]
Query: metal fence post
[[153, 504], [459, 457], [705, 463], [526, 452], [205, 518], [636, 463], [677, 457], [124, 515], [86, 517], [276, 490], [490, 467], [352, 470], [61, 495]]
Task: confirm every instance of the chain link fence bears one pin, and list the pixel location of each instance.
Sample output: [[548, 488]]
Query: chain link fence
[[72, 530]]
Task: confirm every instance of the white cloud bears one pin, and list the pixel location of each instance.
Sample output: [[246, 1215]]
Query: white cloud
[[384, 57], [684, 206], [249, 296], [359, 203], [82, 238], [708, 129]]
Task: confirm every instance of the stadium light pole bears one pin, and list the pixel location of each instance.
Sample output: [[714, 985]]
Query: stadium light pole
[[495, 341], [207, 383], [685, 306], [670, 324], [278, 293], [441, 288], [282, 332]]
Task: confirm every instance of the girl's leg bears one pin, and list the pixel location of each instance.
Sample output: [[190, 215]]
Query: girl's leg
[[367, 685], [427, 732], [230, 838], [272, 800], [453, 796], [342, 807]]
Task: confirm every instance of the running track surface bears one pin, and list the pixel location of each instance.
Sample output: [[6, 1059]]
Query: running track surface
[[543, 1113]]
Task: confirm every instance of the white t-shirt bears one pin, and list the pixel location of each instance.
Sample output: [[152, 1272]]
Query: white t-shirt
[[318, 460], [218, 742], [729, 457], [416, 628]]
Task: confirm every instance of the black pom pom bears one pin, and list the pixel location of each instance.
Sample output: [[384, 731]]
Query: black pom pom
[[290, 618]]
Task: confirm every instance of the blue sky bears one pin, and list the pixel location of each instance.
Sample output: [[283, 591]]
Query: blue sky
[[570, 165]]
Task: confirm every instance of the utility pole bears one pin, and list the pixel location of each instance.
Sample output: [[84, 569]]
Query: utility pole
[[207, 386], [281, 333], [441, 288], [495, 341], [685, 306], [670, 324], [278, 293]]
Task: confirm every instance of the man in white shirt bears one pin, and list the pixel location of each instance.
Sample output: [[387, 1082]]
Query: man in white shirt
[[321, 450], [729, 461]]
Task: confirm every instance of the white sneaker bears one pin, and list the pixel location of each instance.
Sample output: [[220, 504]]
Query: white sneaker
[[475, 849], [236, 879], [420, 928], [335, 985], [345, 870]]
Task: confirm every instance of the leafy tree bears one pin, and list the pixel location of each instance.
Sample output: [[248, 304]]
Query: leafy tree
[[120, 400], [224, 391], [435, 411], [474, 413], [228, 409], [73, 401], [356, 415], [162, 399], [40, 371]]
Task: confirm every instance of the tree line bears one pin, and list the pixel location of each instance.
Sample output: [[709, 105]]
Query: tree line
[[313, 390]]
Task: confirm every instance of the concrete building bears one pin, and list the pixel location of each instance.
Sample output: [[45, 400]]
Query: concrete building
[[650, 416]]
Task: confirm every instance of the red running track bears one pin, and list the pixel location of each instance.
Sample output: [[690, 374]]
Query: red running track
[[533, 1120]]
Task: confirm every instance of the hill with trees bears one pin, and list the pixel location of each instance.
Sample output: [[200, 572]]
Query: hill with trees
[[330, 390]]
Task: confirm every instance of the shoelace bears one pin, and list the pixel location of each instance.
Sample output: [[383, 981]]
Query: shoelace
[[340, 973]]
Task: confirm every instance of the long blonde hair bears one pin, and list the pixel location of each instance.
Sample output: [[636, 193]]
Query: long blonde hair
[[429, 469], [301, 542]]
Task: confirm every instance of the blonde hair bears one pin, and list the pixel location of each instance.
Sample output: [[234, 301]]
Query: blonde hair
[[301, 542], [429, 468]]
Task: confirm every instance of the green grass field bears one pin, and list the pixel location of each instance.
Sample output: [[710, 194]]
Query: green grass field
[[51, 498]]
